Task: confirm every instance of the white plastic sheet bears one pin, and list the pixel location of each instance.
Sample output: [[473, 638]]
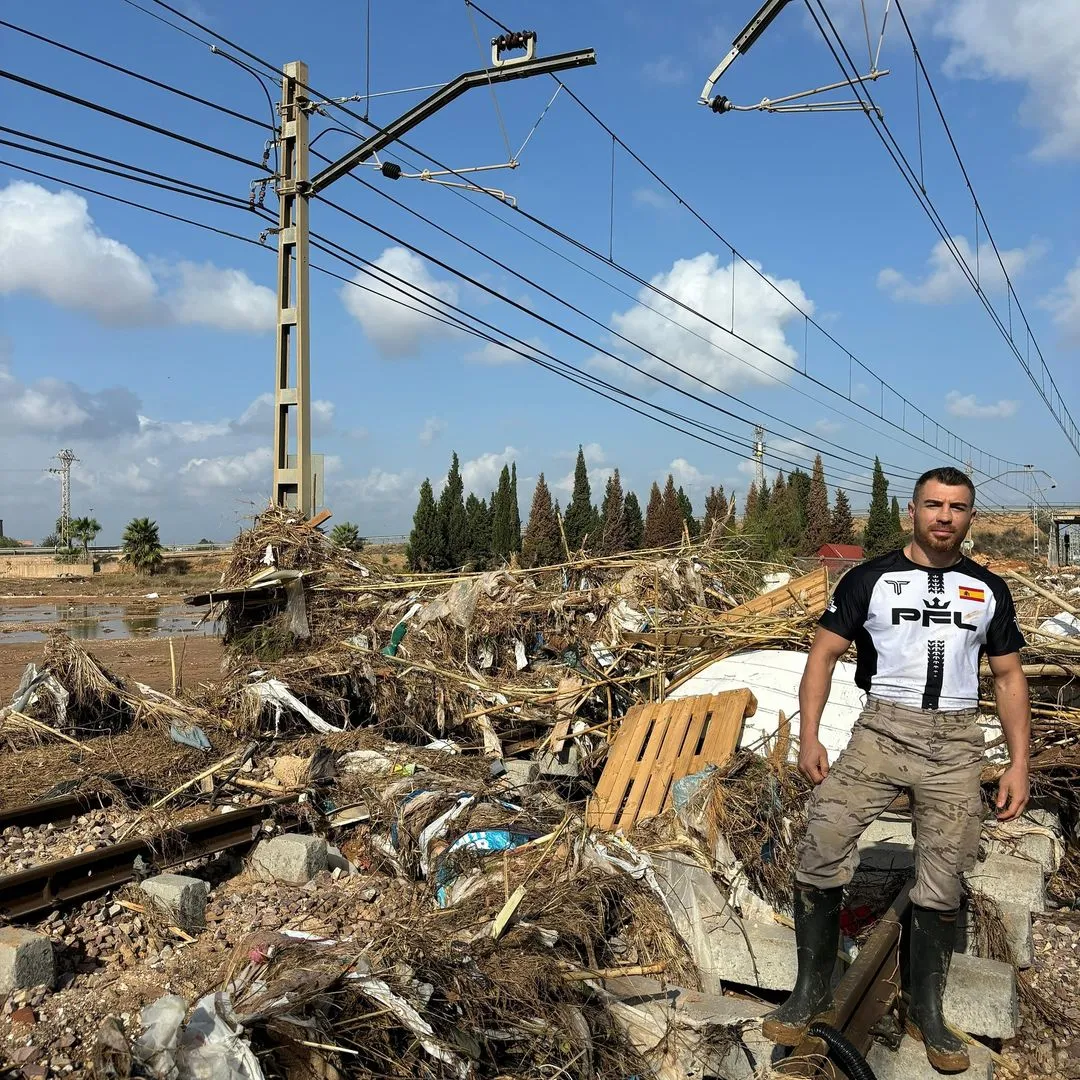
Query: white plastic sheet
[[275, 693]]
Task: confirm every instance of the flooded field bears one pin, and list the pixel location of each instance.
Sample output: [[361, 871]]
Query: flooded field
[[22, 623]]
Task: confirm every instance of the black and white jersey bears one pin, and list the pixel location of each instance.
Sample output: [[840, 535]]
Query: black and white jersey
[[919, 632]]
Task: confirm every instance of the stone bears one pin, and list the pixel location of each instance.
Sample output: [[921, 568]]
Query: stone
[[1009, 879], [1017, 920], [291, 858], [565, 765], [181, 898], [26, 959], [24, 1016], [887, 844], [909, 1062], [520, 772], [980, 997], [1042, 848]]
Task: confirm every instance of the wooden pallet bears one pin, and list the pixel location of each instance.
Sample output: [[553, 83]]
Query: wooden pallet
[[809, 593], [659, 743]]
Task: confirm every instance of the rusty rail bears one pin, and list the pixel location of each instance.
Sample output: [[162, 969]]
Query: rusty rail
[[63, 808], [863, 997], [68, 881]]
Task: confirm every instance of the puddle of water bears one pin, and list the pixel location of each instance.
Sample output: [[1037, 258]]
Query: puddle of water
[[93, 622]]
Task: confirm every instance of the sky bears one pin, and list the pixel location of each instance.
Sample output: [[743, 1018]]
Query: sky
[[146, 345]]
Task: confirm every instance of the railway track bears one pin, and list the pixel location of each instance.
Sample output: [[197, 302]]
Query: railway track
[[63, 809], [80, 877]]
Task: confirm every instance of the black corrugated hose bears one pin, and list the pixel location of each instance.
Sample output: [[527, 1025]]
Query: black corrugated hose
[[847, 1057]]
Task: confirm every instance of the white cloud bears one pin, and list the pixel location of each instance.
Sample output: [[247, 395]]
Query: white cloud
[[380, 486], [183, 431], [699, 347], [594, 453], [1064, 303], [647, 196], [258, 417], [50, 247], [1032, 42], [432, 429], [966, 405], [493, 353], [827, 427], [665, 70], [243, 471], [481, 474], [207, 295], [395, 330], [945, 281], [57, 407], [688, 476]]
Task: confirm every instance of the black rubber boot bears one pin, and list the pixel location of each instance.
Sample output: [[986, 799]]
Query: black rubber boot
[[933, 938], [817, 936]]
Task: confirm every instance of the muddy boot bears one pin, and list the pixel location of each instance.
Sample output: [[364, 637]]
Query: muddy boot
[[933, 937], [817, 935]]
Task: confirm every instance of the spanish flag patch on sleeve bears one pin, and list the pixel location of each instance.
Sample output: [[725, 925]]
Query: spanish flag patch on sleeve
[[968, 593]]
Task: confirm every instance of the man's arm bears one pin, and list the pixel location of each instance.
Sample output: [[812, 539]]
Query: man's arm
[[1011, 693], [813, 694]]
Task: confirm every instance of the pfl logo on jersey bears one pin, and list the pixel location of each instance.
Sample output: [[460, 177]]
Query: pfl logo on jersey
[[934, 612]]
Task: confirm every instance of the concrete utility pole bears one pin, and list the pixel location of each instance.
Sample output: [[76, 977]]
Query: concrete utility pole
[[66, 458], [759, 457], [293, 480]]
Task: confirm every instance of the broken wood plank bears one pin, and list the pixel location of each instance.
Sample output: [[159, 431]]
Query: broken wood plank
[[809, 592]]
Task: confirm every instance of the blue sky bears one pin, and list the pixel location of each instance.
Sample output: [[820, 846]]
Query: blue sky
[[145, 345]]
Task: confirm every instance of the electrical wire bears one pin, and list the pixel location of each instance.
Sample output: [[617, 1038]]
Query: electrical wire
[[137, 75], [364, 119], [76, 100]]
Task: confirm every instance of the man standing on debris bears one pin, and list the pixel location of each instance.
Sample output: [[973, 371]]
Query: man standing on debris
[[921, 618]]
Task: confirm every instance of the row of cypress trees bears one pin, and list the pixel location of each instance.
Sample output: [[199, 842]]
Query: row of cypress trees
[[792, 517]]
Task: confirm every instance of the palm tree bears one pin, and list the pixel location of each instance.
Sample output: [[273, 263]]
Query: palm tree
[[347, 536], [85, 529], [142, 545]]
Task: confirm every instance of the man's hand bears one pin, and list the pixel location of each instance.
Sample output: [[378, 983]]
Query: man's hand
[[1012, 792], [814, 761]]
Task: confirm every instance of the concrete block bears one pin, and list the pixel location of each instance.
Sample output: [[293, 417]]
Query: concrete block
[[980, 997], [181, 898], [292, 858], [336, 861], [1043, 848], [520, 771], [1017, 920], [887, 844], [754, 953], [565, 765], [909, 1062], [26, 960], [1009, 879]]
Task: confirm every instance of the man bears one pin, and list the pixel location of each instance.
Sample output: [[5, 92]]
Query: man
[[920, 618]]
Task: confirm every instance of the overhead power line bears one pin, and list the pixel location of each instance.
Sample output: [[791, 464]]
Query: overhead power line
[[1051, 397], [961, 448]]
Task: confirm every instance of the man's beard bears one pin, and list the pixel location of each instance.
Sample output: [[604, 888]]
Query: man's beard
[[942, 544]]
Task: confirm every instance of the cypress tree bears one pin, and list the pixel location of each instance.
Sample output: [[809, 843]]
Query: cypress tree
[[426, 550], [579, 522], [880, 535], [776, 525], [750, 509], [843, 524], [452, 519], [542, 545], [613, 537], [501, 538], [897, 524], [799, 489], [693, 526], [716, 510], [818, 519], [635, 524], [515, 511], [654, 514], [479, 522], [672, 515]]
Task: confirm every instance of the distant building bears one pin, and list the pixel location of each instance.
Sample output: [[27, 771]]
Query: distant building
[[840, 556]]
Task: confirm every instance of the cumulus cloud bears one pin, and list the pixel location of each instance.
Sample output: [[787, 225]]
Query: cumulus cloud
[[379, 485], [1064, 303], [700, 348], [688, 476], [396, 330], [828, 427], [432, 429], [665, 70], [51, 248], [481, 474], [650, 197], [243, 471], [208, 295], [1032, 42], [57, 407], [945, 281], [258, 417], [967, 405]]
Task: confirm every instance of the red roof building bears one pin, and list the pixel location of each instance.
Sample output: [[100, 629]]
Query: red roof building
[[840, 556]]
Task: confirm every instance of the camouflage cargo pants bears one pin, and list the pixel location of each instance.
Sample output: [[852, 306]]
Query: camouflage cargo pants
[[937, 756]]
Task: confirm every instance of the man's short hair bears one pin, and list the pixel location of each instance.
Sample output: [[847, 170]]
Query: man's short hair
[[945, 475]]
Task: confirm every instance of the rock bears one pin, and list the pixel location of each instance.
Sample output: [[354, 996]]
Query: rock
[[292, 858], [181, 898], [24, 1017], [26, 959]]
